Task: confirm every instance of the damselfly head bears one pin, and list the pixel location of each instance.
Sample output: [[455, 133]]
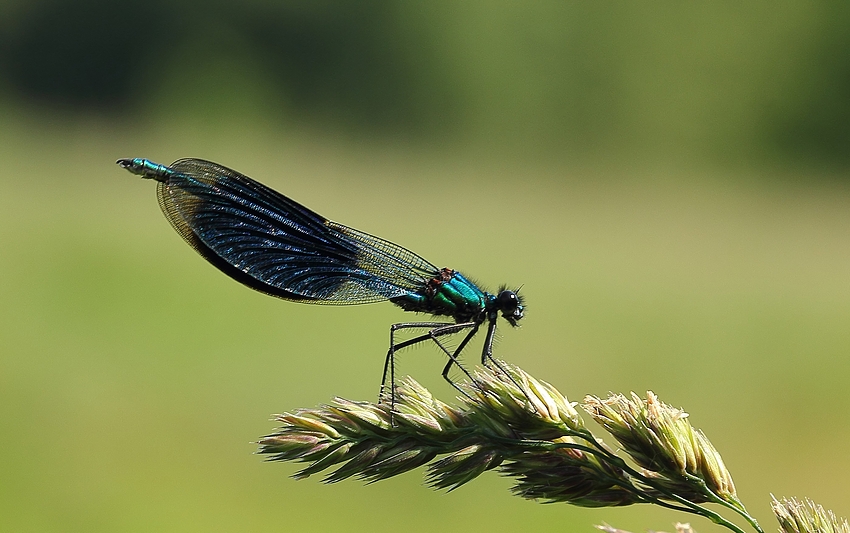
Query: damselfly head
[[510, 304]]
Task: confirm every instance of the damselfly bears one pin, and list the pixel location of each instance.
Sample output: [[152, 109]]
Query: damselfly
[[277, 246]]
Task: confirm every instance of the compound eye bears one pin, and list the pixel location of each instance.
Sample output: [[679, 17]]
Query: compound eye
[[508, 301]]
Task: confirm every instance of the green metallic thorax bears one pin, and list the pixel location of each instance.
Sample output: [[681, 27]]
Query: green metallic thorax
[[448, 294]]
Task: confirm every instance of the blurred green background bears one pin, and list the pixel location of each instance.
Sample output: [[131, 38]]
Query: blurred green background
[[668, 183]]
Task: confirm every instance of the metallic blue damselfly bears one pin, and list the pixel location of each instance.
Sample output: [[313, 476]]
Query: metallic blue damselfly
[[277, 246]]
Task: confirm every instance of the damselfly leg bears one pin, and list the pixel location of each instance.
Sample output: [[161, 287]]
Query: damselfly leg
[[436, 330]]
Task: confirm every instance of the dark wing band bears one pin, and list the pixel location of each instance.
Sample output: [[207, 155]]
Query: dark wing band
[[277, 246]]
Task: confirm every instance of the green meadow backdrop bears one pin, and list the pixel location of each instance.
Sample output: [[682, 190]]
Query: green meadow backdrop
[[668, 185]]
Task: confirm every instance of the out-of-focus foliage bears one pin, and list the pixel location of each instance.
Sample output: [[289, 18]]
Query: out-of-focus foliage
[[721, 81], [346, 59]]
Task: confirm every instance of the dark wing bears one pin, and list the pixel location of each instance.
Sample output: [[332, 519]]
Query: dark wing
[[277, 246]]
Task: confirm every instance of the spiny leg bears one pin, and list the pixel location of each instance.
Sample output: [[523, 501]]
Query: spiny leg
[[388, 361], [454, 357], [487, 354], [487, 349], [453, 360], [437, 329]]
